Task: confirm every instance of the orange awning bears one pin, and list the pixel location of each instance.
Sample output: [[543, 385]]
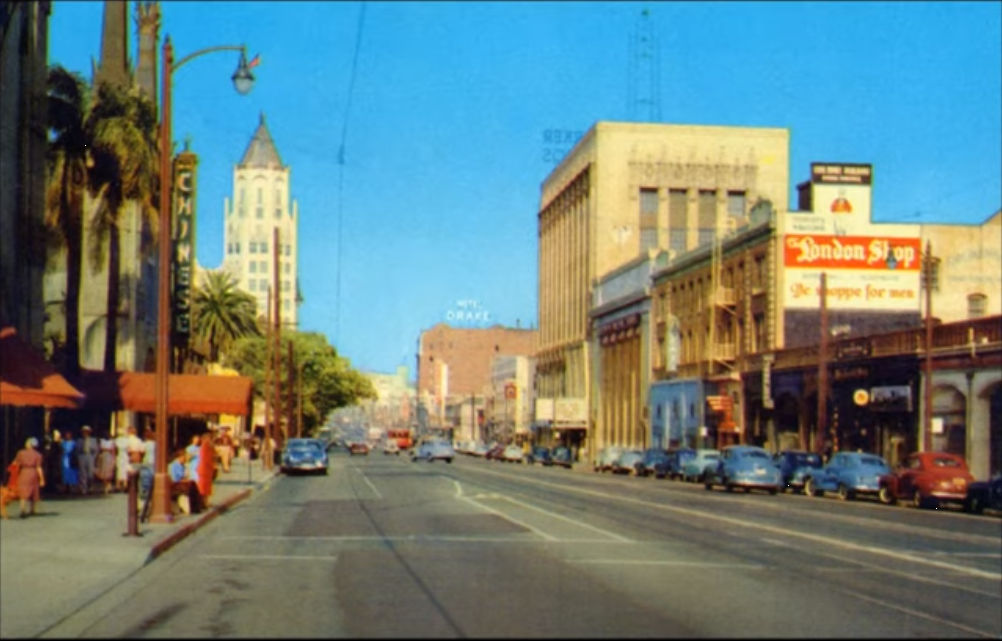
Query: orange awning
[[186, 393], [27, 379]]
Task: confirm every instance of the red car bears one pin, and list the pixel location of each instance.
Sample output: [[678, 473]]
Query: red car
[[926, 479], [358, 448]]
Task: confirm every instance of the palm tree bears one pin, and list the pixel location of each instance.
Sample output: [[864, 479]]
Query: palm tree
[[68, 107], [124, 169], [222, 313]]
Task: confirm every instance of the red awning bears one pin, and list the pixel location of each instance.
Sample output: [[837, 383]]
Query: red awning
[[27, 379], [186, 393]]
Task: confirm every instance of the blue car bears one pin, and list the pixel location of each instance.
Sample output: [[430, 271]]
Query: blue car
[[694, 470], [795, 466], [675, 461], [848, 474], [304, 455], [744, 466]]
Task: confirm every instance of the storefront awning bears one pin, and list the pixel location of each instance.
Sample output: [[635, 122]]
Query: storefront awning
[[186, 393], [27, 379]]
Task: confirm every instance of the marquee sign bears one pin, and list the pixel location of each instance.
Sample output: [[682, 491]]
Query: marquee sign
[[184, 242]]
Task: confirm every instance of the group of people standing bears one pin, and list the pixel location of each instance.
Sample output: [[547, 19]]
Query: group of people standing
[[90, 464]]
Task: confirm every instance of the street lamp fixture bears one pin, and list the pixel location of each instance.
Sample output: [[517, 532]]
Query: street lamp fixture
[[243, 80]]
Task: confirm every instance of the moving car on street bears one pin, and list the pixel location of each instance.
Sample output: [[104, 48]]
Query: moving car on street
[[433, 451], [391, 447], [926, 479], [303, 455], [848, 474], [358, 447], [795, 466], [539, 455], [744, 466], [513, 454], [677, 458]]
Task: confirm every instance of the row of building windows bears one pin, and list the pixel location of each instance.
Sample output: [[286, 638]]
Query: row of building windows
[[260, 196], [259, 212], [261, 285], [255, 248], [261, 266], [676, 224]]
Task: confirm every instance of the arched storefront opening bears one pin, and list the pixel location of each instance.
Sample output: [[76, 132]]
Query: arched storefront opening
[[949, 425]]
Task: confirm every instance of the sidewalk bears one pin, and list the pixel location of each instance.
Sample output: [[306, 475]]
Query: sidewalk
[[75, 549]]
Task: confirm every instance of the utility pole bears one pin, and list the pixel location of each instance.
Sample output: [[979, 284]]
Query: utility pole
[[266, 445], [292, 389], [819, 437], [927, 389], [278, 331]]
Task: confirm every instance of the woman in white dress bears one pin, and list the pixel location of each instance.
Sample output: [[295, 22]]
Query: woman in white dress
[[122, 466]]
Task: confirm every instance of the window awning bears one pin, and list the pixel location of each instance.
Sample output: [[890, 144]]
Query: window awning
[[27, 379], [186, 393]]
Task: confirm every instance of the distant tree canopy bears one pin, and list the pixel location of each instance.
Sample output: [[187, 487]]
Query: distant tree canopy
[[328, 380]]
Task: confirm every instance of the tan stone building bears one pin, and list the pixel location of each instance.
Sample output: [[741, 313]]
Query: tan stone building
[[454, 370], [625, 189], [967, 269]]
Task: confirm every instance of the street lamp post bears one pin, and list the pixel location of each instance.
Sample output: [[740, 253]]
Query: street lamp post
[[243, 80]]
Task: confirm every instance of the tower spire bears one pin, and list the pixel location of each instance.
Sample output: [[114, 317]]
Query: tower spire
[[148, 26], [114, 64]]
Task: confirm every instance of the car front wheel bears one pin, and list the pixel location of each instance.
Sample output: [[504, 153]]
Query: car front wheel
[[844, 493], [885, 496], [810, 489], [973, 505]]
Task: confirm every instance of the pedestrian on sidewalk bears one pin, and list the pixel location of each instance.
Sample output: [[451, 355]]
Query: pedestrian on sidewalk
[[183, 490], [224, 447], [135, 448], [149, 448], [30, 477], [206, 468], [71, 479], [105, 465], [122, 466], [86, 457]]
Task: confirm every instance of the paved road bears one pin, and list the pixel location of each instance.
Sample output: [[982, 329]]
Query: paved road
[[387, 548]]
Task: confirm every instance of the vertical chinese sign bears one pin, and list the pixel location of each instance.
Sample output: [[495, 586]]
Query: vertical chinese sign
[[184, 244]]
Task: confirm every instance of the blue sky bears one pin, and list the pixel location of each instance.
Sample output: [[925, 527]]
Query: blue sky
[[444, 129]]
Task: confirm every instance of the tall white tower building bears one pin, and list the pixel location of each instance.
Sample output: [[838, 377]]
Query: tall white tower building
[[260, 203]]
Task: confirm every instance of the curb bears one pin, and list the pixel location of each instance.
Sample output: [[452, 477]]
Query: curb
[[207, 517]]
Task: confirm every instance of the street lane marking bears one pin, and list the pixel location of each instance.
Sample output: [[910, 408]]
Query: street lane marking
[[995, 576], [694, 564], [369, 483], [419, 538], [267, 557], [621, 539], [513, 520], [921, 615]]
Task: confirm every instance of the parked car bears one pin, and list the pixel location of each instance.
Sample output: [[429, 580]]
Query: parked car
[[541, 455], [626, 462], [745, 466], [696, 467], [391, 447], [654, 459], [562, 456], [494, 452], [512, 454], [358, 447], [984, 495], [434, 451], [677, 458], [479, 450], [606, 457], [795, 466], [303, 455], [926, 479], [849, 474]]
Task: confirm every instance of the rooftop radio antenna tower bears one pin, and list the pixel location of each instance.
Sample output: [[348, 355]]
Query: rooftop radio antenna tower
[[644, 93]]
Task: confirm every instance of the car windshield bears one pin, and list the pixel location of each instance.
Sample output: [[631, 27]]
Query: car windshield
[[871, 460], [808, 459], [755, 454], [945, 462]]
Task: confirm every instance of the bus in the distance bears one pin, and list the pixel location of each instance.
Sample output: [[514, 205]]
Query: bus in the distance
[[404, 436]]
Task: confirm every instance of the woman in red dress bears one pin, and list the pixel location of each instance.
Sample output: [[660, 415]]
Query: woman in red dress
[[206, 467], [30, 478]]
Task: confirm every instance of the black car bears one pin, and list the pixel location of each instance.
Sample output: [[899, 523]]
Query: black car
[[562, 456], [984, 495], [653, 464], [795, 466], [539, 455]]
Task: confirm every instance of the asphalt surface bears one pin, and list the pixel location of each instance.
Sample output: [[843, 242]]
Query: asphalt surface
[[388, 548], [75, 550]]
